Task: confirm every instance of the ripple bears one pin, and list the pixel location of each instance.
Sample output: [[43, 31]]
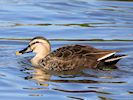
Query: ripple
[[84, 81], [82, 25], [81, 91]]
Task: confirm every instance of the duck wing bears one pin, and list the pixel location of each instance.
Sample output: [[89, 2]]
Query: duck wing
[[75, 56]]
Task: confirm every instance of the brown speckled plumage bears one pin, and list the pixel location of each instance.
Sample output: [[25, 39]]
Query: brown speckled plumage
[[73, 57]]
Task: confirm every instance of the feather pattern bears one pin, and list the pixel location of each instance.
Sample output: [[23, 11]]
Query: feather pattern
[[73, 57]]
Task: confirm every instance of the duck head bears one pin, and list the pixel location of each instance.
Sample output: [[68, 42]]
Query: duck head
[[38, 45]]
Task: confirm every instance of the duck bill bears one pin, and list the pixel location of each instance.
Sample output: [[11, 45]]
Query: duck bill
[[25, 50]]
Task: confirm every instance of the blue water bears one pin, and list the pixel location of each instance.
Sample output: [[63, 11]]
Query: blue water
[[112, 19], [65, 19]]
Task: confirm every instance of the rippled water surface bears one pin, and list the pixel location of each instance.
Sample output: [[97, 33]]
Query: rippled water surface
[[91, 20]]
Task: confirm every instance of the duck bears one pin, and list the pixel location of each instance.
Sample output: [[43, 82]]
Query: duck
[[69, 57]]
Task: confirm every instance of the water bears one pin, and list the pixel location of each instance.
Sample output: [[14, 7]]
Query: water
[[65, 19]]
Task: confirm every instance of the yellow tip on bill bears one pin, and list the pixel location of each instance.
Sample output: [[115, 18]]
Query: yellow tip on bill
[[18, 53]]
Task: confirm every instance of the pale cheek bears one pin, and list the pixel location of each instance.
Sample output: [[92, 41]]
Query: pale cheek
[[37, 50]]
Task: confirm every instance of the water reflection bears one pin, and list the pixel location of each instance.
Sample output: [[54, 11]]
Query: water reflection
[[39, 76]]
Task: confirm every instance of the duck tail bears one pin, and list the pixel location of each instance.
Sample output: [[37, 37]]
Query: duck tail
[[114, 59], [110, 62]]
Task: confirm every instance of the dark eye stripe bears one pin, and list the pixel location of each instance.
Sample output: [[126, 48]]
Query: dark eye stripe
[[34, 43]]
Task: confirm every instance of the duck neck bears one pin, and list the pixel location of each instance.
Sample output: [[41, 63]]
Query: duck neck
[[39, 55]]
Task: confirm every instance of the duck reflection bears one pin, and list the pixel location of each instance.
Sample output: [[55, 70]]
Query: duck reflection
[[41, 77]]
